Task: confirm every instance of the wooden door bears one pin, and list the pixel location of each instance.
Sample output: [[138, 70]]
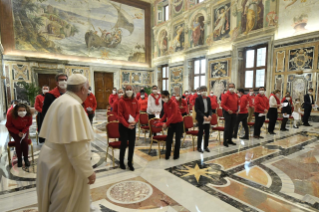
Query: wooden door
[[47, 79], [103, 88]]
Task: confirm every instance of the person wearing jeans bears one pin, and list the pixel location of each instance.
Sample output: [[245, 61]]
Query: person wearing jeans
[[174, 123], [203, 116], [242, 114], [261, 109], [230, 105], [128, 113]]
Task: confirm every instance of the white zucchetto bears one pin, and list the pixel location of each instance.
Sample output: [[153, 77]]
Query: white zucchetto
[[76, 79]]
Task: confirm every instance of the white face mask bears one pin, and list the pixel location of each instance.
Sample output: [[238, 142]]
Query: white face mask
[[278, 95], [22, 113], [129, 93], [89, 92], [155, 92], [239, 95], [165, 100], [297, 101], [251, 93], [310, 93], [288, 98], [142, 96], [177, 98], [114, 92], [63, 84], [204, 93], [44, 91], [198, 93], [211, 94], [192, 93], [231, 90], [186, 94], [174, 94], [120, 95], [262, 92]]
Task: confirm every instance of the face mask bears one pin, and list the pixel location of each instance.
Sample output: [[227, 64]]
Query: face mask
[[288, 98], [120, 95], [142, 96], [297, 101], [211, 94], [129, 93], [239, 95], [22, 113], [231, 90], [174, 94], [177, 98], [155, 92], [198, 93], [89, 92], [186, 94], [310, 93], [45, 91], [165, 100], [158, 92], [114, 92], [204, 93], [251, 93], [261, 92], [62, 84], [192, 93], [13, 105], [277, 95]]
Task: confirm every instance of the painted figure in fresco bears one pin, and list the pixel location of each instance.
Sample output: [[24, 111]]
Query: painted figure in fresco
[[272, 18], [178, 42], [163, 43], [253, 15], [198, 29], [178, 5], [222, 22], [299, 24]]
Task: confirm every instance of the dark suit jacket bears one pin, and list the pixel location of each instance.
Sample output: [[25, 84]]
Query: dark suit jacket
[[307, 103], [200, 109], [286, 109]]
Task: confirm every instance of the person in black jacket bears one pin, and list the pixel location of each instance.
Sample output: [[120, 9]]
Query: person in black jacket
[[286, 113], [203, 116], [308, 104]]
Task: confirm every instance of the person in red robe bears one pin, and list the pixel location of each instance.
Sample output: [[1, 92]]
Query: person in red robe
[[113, 98], [90, 105]]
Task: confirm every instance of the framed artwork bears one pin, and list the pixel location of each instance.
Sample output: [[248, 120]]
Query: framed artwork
[[20, 72], [219, 69], [301, 59], [279, 84], [280, 61], [218, 86], [177, 88], [136, 77], [221, 22], [177, 74], [178, 42], [197, 32], [298, 85], [126, 77]]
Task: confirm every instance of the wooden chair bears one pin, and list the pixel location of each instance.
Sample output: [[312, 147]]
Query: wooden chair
[[111, 118], [220, 115], [189, 124], [12, 144], [214, 122], [143, 124], [157, 138], [112, 132]]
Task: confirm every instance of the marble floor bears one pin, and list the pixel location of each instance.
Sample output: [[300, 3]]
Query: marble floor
[[277, 173]]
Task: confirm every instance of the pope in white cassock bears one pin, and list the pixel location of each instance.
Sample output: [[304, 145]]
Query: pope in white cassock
[[64, 166]]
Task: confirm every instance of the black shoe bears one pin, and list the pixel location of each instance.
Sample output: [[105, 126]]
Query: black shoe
[[295, 127], [225, 144], [284, 130], [256, 136], [307, 125], [130, 166], [234, 136], [166, 157], [200, 150], [232, 143], [26, 162], [175, 158], [272, 133], [207, 150], [260, 137], [122, 166], [19, 162], [245, 137]]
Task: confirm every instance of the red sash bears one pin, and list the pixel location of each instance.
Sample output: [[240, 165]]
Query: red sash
[[156, 99]]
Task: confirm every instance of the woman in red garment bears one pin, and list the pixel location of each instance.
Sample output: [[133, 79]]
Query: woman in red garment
[[213, 101], [18, 123], [129, 113]]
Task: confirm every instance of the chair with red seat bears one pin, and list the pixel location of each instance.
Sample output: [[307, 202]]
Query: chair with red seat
[[143, 124], [157, 138], [12, 144], [112, 132], [220, 115], [111, 118], [189, 125], [214, 122]]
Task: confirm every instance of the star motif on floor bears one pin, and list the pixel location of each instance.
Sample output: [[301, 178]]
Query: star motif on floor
[[198, 172]]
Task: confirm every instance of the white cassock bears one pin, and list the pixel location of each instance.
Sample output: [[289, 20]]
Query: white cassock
[[64, 163]]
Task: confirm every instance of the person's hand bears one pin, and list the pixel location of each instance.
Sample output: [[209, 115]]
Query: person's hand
[[164, 126], [205, 118], [313, 105], [230, 112], [92, 179], [133, 122], [285, 114], [131, 126], [20, 134], [209, 118], [266, 110]]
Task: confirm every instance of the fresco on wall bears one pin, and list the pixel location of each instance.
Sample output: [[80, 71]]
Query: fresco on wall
[[178, 43], [280, 61], [20, 72], [221, 25], [98, 29], [218, 86], [297, 17], [126, 77], [176, 88], [301, 59], [279, 85], [163, 43], [198, 31], [177, 74], [136, 78], [178, 7], [219, 69], [272, 19], [146, 78], [252, 15]]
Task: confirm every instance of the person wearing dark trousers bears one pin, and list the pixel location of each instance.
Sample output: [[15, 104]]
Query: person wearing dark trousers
[[174, 123], [242, 114], [90, 105], [203, 116], [286, 113], [230, 105], [274, 103], [261, 109], [38, 105], [213, 101], [308, 104], [129, 113]]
